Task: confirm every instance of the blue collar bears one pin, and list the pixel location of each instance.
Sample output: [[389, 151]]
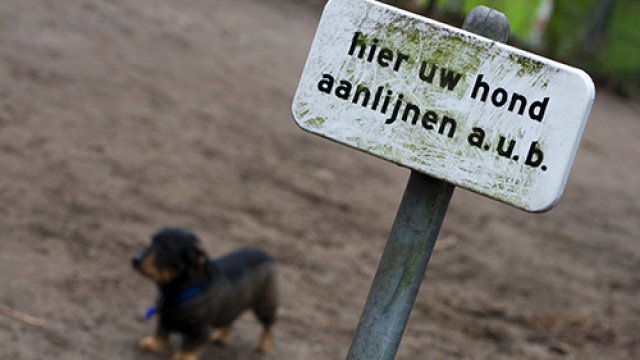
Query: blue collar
[[188, 294], [184, 295]]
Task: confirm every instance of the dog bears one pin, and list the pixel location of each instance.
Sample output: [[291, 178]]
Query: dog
[[198, 295]]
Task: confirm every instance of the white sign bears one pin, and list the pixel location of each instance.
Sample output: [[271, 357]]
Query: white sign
[[442, 101]]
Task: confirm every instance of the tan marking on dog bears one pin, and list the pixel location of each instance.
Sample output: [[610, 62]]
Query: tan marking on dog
[[153, 344], [157, 274], [265, 344], [222, 336], [184, 355]]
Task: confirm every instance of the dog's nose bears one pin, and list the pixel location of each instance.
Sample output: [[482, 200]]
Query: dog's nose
[[137, 259]]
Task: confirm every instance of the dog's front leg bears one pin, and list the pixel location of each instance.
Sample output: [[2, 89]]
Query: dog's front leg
[[221, 336], [156, 344], [192, 341], [153, 344]]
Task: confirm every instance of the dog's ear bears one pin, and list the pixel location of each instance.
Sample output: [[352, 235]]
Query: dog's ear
[[197, 261], [196, 256]]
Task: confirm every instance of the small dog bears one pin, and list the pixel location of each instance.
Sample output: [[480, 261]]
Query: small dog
[[197, 294]]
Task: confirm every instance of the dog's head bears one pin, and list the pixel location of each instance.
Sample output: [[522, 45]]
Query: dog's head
[[172, 253]]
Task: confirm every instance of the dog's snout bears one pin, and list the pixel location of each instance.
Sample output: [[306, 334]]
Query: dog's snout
[[137, 259]]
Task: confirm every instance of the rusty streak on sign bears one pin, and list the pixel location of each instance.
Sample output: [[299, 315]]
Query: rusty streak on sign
[[442, 101]]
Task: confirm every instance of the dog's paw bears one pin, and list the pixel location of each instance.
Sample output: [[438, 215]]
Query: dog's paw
[[183, 355], [152, 344], [221, 337], [265, 344]]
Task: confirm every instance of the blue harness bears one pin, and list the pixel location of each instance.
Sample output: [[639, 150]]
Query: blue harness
[[182, 296]]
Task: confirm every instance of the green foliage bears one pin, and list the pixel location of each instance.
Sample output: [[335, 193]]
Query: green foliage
[[567, 28], [622, 50], [618, 58]]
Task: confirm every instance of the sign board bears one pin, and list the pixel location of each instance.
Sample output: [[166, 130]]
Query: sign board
[[473, 112]]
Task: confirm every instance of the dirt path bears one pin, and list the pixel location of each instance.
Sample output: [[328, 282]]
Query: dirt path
[[119, 117]]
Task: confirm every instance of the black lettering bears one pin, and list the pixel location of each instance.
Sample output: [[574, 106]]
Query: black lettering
[[449, 79], [376, 98], [523, 103], [476, 138], [357, 42], [443, 125], [326, 84], [501, 151], [499, 97], [384, 56], [429, 119], [396, 109], [423, 75], [385, 103], [401, 57], [363, 91], [535, 155], [541, 107], [480, 85], [372, 50], [410, 108], [343, 91]]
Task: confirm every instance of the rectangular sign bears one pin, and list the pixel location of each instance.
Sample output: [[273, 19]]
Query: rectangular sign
[[459, 107]]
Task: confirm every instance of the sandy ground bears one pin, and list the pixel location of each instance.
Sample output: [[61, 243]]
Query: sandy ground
[[119, 117]]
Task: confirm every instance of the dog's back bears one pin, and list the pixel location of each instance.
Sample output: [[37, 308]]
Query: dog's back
[[240, 262], [248, 277]]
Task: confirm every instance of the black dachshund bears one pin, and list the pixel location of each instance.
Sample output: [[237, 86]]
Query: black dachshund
[[198, 295]]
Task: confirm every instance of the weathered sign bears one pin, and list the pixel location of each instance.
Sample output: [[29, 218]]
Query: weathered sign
[[476, 113]]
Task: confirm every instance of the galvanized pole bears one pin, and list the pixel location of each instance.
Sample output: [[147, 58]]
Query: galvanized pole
[[401, 269], [411, 241]]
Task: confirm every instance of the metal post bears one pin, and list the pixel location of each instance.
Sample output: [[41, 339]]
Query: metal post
[[411, 241], [401, 269]]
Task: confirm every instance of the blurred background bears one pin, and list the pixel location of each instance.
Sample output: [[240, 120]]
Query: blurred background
[[119, 117], [600, 36]]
